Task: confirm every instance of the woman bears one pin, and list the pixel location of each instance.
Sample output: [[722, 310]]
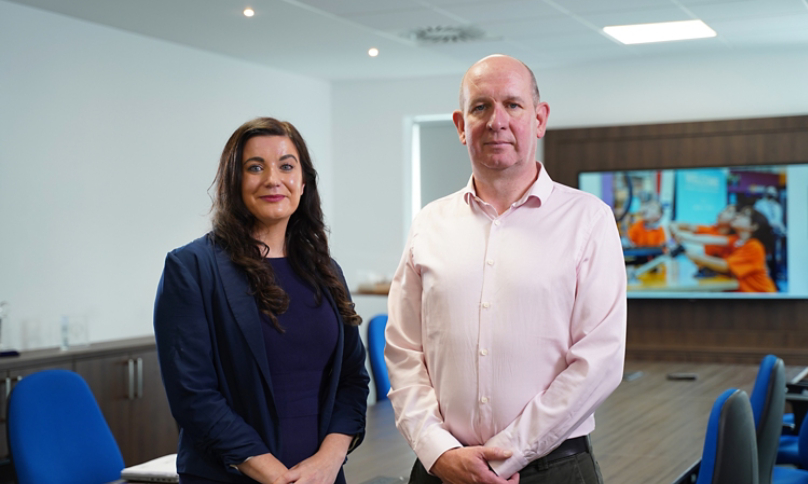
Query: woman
[[745, 256], [256, 333]]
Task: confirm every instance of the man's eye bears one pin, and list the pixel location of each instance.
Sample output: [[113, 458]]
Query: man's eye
[[478, 108], [513, 105]]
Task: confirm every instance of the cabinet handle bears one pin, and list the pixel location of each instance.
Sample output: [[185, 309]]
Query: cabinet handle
[[140, 378], [131, 379]]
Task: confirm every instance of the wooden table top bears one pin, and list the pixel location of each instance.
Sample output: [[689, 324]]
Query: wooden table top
[[650, 430]]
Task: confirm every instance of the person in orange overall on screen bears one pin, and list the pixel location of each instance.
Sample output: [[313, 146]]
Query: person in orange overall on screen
[[647, 232], [746, 260], [721, 227]]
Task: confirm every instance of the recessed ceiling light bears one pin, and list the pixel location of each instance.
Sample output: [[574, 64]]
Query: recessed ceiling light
[[660, 32], [373, 52], [248, 12]]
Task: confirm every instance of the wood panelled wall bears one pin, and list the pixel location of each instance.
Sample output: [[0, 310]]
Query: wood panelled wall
[[706, 330]]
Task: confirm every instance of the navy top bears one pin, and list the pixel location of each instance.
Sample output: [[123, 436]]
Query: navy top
[[299, 360]]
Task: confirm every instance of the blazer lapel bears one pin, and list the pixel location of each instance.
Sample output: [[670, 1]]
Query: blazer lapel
[[245, 310]]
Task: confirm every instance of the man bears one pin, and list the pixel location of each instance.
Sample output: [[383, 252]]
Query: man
[[507, 313]]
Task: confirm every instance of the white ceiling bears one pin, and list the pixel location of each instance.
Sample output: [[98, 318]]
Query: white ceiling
[[329, 39]]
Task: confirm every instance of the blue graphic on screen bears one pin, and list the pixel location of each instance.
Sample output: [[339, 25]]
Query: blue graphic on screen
[[700, 194]]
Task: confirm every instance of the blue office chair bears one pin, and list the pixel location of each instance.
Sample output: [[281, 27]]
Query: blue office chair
[[789, 451], [796, 453], [730, 447], [57, 434], [795, 395], [767, 400], [376, 355]]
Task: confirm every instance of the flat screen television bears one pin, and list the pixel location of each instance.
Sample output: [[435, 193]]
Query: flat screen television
[[719, 232]]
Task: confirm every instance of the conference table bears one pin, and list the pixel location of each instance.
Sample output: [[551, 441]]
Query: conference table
[[679, 274], [650, 430]]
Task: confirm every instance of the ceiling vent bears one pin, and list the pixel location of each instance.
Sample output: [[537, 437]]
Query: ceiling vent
[[445, 35]]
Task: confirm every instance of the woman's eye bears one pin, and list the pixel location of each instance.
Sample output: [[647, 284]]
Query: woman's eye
[[254, 168], [287, 167]]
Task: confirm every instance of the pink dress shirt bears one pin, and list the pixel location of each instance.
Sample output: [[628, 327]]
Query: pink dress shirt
[[506, 330]]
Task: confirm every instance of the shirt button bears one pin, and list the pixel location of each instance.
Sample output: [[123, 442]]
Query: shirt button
[[486, 304], [484, 352], [496, 222], [490, 262], [484, 400]]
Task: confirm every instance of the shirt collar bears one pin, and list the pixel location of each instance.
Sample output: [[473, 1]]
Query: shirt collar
[[540, 189]]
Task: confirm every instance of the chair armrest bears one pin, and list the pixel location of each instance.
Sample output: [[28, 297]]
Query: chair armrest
[[689, 476]]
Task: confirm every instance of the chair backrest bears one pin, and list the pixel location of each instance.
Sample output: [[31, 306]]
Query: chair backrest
[[802, 444], [376, 355], [768, 400], [730, 447], [57, 434]]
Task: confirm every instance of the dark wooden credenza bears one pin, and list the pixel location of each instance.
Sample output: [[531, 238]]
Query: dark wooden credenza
[[125, 378]]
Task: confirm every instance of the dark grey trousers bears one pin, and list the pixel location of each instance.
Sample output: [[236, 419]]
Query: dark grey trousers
[[576, 469]]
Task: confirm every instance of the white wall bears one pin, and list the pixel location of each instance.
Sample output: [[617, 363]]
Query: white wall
[[444, 161], [370, 148], [371, 163], [109, 142]]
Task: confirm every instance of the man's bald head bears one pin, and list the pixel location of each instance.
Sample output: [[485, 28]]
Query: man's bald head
[[535, 86]]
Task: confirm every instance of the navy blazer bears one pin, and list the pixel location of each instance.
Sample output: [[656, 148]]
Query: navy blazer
[[215, 371]]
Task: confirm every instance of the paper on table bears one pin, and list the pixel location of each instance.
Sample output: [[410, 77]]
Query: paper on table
[[161, 469]]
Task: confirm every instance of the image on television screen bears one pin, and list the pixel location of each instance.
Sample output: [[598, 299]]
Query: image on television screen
[[720, 232]]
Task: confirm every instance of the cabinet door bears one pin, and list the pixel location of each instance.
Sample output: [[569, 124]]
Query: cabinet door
[[130, 392], [154, 431], [109, 380]]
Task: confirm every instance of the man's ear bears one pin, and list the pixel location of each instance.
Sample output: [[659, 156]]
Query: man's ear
[[460, 124], [542, 113]]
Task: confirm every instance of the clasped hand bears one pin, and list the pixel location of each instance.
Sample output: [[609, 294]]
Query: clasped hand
[[317, 469], [469, 465]]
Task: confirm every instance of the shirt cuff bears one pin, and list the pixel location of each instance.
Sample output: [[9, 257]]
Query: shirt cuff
[[510, 466], [433, 444]]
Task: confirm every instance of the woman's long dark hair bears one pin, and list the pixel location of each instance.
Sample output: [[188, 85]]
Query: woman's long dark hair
[[306, 241]]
